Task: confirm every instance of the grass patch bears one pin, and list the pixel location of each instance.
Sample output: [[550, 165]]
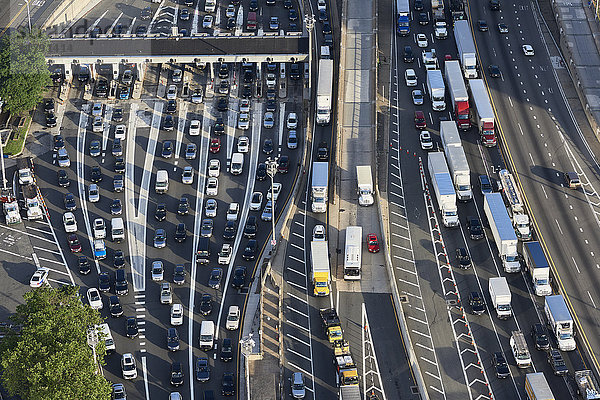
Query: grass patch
[[14, 146]]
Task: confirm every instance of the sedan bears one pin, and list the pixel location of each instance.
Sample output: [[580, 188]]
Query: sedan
[[214, 168], [274, 23], [69, 201], [212, 186], [268, 146], [168, 124], [131, 327], [184, 15], [95, 149], [482, 25], [292, 120], [117, 148], [228, 384], [160, 238], [194, 127], [528, 50], [114, 305], [184, 206], [422, 40], [225, 254], [167, 149], [502, 28], [210, 208], [372, 243], [128, 366], [104, 282], [256, 201], [69, 222], [500, 365], [476, 302], [268, 121], [99, 228], [261, 172], [226, 350], [423, 18], [157, 271], [215, 145], [93, 296], [202, 369], [187, 175], [206, 302], [214, 281], [494, 71], [180, 233], [179, 274], [39, 278], [96, 175], [116, 208], [292, 15], [206, 229], [172, 339], [190, 151], [243, 144], [475, 228], [462, 257], [230, 11], [74, 243], [176, 373], [230, 23], [417, 97], [118, 259], [426, 140], [161, 212], [207, 21], [171, 92], [230, 230], [244, 121], [239, 277], [83, 265], [120, 132], [292, 140]]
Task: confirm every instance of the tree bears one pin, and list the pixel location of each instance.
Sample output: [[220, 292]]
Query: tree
[[24, 73], [49, 358]]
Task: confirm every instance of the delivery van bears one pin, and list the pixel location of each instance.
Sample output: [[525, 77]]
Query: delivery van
[[117, 229], [237, 163], [207, 335], [162, 181]]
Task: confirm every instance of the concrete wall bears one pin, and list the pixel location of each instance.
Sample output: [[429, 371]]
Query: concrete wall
[[67, 12]]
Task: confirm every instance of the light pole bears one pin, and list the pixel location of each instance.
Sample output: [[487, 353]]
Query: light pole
[[247, 343], [28, 15], [309, 20], [271, 171], [92, 340]]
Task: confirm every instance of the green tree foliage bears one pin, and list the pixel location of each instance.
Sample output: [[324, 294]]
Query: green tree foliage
[[50, 358], [24, 73]]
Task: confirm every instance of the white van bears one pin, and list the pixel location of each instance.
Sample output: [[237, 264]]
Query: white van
[[210, 6], [207, 335], [237, 163], [325, 53], [162, 181], [117, 229], [104, 331]]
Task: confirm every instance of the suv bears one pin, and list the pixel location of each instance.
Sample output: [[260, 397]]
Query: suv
[[556, 361], [475, 228], [476, 302], [540, 336]]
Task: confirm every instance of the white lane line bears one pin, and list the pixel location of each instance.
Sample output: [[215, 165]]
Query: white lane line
[[296, 246], [417, 320], [428, 360], [96, 22], [298, 235], [302, 274], [298, 354], [576, 267], [39, 230], [53, 261], [591, 299], [421, 333], [181, 123], [46, 250], [297, 297], [557, 224], [30, 234], [297, 340], [296, 259], [297, 326], [296, 286], [300, 369], [15, 254], [297, 311], [406, 270]]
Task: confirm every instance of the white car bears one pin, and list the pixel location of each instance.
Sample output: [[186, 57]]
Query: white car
[[120, 132], [425, 140], [207, 21], [187, 175], [94, 298], [256, 202], [422, 40], [98, 126], [528, 50], [128, 367], [230, 11], [243, 144], [410, 77], [244, 121], [99, 228], [39, 278], [292, 120], [172, 92], [276, 190], [245, 106], [214, 168], [271, 80], [417, 97], [319, 234], [177, 314], [212, 186], [194, 127], [233, 318], [157, 271], [93, 193], [177, 75], [210, 210], [225, 254], [233, 211], [70, 222]]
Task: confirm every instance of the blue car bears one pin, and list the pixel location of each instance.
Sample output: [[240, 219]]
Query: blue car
[[485, 184], [99, 249], [124, 93]]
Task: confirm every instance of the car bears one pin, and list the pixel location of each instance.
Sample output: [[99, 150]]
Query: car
[[475, 228], [168, 123], [485, 185], [116, 208], [83, 265], [166, 294], [261, 172], [118, 183], [190, 151], [69, 200], [271, 105], [197, 96], [323, 15], [63, 158], [202, 369], [127, 77], [224, 71], [539, 333], [418, 5], [230, 11], [230, 23], [410, 77], [97, 125], [99, 228], [212, 186], [292, 140], [326, 29], [121, 285], [251, 227], [207, 21], [187, 175], [161, 212], [244, 106], [128, 366], [160, 238], [157, 271], [167, 149], [215, 145], [267, 214], [58, 142], [417, 97], [463, 258], [99, 249], [118, 259], [178, 73], [482, 25], [274, 192], [239, 277], [319, 234], [228, 384], [233, 211], [500, 365], [528, 50], [206, 229], [183, 208], [214, 281], [210, 208], [556, 361], [224, 87], [219, 127], [131, 327], [50, 119], [95, 149], [172, 339], [117, 148], [114, 305], [422, 40], [268, 120], [171, 92], [293, 15], [69, 222], [171, 107], [118, 392], [495, 5], [502, 28], [292, 120], [120, 132], [274, 23], [271, 80], [96, 174], [104, 282], [323, 151], [494, 71], [372, 243], [244, 121], [233, 318], [243, 144], [426, 140], [572, 179], [230, 230], [179, 274], [268, 146], [298, 387], [222, 104], [177, 376], [117, 115], [74, 243], [226, 350], [476, 302], [124, 92], [180, 233], [249, 253], [423, 18], [256, 201], [119, 165], [206, 302], [283, 164], [48, 105], [39, 278], [94, 299], [102, 85], [408, 54]]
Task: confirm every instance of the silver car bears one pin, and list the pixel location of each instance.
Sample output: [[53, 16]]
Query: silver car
[[417, 97], [298, 388], [269, 120], [292, 140]]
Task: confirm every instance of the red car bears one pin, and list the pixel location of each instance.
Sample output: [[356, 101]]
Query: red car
[[74, 243], [215, 145], [372, 243]]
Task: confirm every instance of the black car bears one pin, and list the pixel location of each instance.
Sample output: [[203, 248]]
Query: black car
[[172, 339], [96, 175], [202, 369], [556, 361], [261, 172], [222, 104], [323, 15], [283, 165], [161, 212], [167, 149], [63, 178], [50, 119], [58, 142], [476, 302], [249, 253], [253, 6], [271, 105], [482, 25], [223, 71], [179, 274], [226, 350], [214, 280], [104, 282], [408, 54], [228, 384], [121, 285], [176, 373], [239, 277], [323, 152], [131, 327], [171, 107], [462, 257], [180, 233], [70, 204], [475, 228], [230, 24], [248, 76], [184, 206], [268, 146], [246, 91], [114, 305], [326, 28], [287, 3], [48, 105], [494, 5], [230, 230], [539, 333], [271, 94], [83, 265], [500, 365], [293, 15], [418, 5], [119, 165], [423, 18], [168, 123], [206, 303], [328, 40], [219, 126], [117, 115], [251, 227], [494, 71], [295, 71], [102, 88], [119, 259], [116, 208]]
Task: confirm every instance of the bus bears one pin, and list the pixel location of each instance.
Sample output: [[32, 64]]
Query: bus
[[353, 256], [402, 17]]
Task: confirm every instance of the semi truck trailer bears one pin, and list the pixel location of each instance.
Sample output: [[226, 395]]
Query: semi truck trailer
[[441, 181], [502, 231]]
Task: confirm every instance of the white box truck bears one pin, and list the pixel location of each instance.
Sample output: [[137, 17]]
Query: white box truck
[[32, 202], [519, 348], [466, 48], [437, 90], [587, 386], [502, 231], [441, 181], [365, 185], [321, 277], [560, 321], [537, 387], [460, 172], [538, 268], [516, 208], [320, 178], [324, 92], [501, 297], [353, 253]]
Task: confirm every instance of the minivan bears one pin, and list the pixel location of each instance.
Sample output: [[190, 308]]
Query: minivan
[[251, 22], [237, 163], [162, 181], [117, 229], [207, 335]]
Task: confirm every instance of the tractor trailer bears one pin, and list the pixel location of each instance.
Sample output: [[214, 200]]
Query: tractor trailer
[[458, 94], [502, 230], [466, 48], [441, 181], [483, 114], [324, 92], [538, 268]]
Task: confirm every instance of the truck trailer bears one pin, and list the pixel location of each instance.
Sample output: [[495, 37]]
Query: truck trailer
[[321, 277], [501, 297], [466, 48], [537, 387], [320, 179], [350, 393], [364, 179], [483, 114], [520, 219], [502, 231], [458, 94], [437, 90], [324, 92], [538, 268], [441, 181], [560, 321], [587, 386], [353, 253], [460, 172]]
